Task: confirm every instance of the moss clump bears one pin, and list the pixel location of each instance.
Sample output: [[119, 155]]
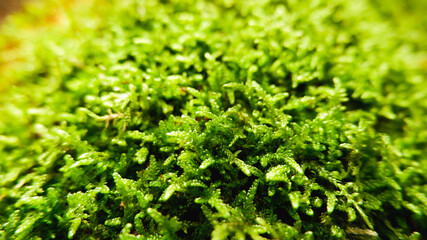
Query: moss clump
[[214, 119]]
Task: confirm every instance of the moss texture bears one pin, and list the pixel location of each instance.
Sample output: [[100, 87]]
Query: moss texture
[[224, 119]]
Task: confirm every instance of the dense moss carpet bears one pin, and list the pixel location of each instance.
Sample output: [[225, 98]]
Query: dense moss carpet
[[222, 119]]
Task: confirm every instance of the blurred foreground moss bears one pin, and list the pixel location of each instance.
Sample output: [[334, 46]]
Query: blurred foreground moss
[[169, 119]]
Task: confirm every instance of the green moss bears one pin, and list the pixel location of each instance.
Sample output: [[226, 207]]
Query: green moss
[[222, 119]]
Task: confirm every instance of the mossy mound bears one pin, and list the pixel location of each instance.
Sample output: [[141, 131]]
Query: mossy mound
[[223, 119]]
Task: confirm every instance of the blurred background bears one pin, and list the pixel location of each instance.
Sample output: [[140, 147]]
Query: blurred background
[[7, 6]]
